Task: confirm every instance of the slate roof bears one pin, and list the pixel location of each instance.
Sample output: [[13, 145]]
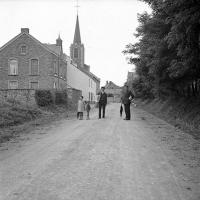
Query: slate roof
[[54, 48], [111, 85]]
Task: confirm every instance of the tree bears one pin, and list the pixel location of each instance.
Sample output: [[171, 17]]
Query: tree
[[167, 56]]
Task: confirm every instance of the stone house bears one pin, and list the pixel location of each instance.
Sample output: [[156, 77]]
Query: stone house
[[113, 91], [26, 63]]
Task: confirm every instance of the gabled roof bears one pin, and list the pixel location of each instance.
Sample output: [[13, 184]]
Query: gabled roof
[[30, 36], [111, 85], [90, 74], [54, 48], [77, 35]]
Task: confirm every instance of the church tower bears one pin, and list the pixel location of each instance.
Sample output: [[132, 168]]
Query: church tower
[[59, 43], [77, 50]]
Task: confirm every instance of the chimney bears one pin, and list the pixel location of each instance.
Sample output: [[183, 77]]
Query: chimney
[[24, 30]]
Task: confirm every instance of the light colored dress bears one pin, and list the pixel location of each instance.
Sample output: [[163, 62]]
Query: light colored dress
[[80, 106]]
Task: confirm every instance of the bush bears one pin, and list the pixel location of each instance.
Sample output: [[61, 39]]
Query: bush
[[61, 97], [43, 97]]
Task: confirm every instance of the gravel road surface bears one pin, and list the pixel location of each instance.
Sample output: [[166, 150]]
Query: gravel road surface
[[107, 159]]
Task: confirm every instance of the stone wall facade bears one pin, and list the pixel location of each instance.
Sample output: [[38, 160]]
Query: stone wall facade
[[23, 96], [27, 96]]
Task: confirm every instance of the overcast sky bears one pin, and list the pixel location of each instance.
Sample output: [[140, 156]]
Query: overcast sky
[[106, 27]]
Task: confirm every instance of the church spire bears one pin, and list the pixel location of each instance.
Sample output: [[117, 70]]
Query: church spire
[[77, 35]]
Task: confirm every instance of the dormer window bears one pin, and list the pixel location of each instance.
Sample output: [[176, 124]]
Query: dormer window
[[23, 49]]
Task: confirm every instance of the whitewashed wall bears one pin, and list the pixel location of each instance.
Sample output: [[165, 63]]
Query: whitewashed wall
[[79, 80]]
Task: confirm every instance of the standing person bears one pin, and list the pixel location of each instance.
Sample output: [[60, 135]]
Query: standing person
[[127, 96], [88, 108], [80, 108], [102, 102]]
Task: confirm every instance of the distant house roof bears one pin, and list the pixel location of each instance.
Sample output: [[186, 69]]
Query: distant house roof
[[111, 85], [54, 48], [89, 74]]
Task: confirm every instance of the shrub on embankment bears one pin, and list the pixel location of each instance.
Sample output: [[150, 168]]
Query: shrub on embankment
[[48, 97], [182, 113], [11, 115]]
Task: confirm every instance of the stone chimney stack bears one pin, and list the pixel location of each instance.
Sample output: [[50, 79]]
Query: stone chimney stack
[[24, 30]]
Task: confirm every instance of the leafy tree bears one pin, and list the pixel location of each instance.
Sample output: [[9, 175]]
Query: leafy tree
[[167, 56]]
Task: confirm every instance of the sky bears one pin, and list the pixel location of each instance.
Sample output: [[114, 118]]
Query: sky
[[106, 26]]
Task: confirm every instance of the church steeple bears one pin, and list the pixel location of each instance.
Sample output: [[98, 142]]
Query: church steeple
[[77, 35], [77, 51]]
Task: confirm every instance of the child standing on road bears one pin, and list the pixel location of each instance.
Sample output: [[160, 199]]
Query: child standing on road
[[88, 108], [80, 108]]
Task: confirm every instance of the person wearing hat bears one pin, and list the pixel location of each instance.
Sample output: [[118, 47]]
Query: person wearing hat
[[102, 102], [127, 96]]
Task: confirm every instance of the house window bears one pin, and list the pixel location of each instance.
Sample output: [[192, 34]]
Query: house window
[[23, 49], [34, 85], [76, 53], [55, 68], [13, 84], [34, 68], [13, 65], [91, 96], [54, 85]]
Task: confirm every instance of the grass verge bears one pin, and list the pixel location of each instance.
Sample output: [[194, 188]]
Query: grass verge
[[182, 113], [18, 118]]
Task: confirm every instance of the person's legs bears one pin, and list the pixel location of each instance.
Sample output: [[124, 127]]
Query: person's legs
[[88, 115], [128, 112], [81, 115], [104, 108], [125, 109], [100, 110], [77, 115]]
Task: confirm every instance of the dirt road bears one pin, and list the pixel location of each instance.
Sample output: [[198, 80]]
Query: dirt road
[[107, 159]]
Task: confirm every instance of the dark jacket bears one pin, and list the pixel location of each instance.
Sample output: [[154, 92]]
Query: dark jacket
[[103, 98], [87, 107], [126, 97]]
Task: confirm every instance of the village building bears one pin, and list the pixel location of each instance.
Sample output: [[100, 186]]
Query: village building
[[26, 63], [113, 91], [131, 76], [79, 75]]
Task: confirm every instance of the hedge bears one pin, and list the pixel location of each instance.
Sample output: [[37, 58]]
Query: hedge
[[43, 97], [50, 97], [61, 97]]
